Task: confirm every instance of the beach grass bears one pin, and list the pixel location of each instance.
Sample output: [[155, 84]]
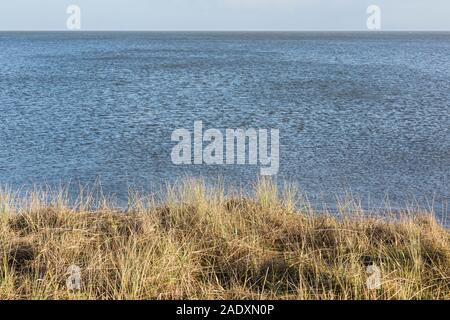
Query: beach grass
[[203, 243]]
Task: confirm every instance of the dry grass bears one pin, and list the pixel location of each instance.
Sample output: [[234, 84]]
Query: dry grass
[[199, 244]]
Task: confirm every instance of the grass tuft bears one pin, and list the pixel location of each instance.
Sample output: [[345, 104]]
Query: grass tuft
[[201, 244]]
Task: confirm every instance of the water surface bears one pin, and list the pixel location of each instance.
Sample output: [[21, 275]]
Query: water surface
[[367, 113]]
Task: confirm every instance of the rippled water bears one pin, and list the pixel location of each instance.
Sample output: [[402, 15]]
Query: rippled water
[[366, 113]]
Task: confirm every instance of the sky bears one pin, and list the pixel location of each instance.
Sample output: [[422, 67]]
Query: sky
[[225, 14]]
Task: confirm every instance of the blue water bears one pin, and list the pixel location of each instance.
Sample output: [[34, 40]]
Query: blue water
[[366, 113]]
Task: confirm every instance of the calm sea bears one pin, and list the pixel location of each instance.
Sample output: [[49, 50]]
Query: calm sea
[[360, 113]]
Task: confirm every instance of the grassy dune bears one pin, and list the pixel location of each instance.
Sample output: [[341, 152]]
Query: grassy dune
[[199, 244]]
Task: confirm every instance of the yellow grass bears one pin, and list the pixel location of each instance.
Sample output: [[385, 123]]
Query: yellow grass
[[200, 244]]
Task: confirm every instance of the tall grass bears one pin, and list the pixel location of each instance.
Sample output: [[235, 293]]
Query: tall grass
[[200, 244]]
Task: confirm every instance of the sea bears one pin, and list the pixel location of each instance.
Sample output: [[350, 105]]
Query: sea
[[364, 115]]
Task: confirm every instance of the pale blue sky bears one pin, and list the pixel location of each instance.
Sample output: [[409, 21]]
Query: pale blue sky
[[224, 14]]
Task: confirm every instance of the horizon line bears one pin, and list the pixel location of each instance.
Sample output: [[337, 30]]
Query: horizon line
[[229, 30]]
